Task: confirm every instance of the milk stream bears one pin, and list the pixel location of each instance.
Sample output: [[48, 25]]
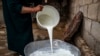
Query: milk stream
[[47, 21], [50, 32]]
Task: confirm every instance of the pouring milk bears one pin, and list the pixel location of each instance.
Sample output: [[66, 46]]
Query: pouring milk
[[48, 19]]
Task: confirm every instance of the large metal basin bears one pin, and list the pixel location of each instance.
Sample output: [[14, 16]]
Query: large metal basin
[[33, 46]]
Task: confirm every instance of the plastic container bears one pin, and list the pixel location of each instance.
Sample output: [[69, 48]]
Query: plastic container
[[49, 16]]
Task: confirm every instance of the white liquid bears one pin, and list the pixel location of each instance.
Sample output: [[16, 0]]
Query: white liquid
[[50, 31], [57, 52], [47, 21]]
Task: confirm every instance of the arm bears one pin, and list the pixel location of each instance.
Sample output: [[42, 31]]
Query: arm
[[31, 9], [17, 7]]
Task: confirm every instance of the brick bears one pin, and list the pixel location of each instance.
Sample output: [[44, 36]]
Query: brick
[[95, 1], [3, 37], [81, 2], [1, 16], [89, 39], [2, 47], [76, 3], [2, 43], [87, 24], [95, 31], [84, 2], [99, 13], [2, 32], [97, 48], [87, 2], [92, 11], [9, 53], [85, 11]]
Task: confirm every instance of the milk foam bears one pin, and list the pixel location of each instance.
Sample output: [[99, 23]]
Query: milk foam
[[57, 52]]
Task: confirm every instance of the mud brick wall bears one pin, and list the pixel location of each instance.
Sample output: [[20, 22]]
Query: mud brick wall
[[91, 21], [1, 13]]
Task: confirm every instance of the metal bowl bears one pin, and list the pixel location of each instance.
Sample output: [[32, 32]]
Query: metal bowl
[[45, 44]]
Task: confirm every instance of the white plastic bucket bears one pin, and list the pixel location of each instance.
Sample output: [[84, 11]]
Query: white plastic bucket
[[49, 16]]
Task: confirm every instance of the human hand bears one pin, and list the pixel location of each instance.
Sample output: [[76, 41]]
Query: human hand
[[38, 8]]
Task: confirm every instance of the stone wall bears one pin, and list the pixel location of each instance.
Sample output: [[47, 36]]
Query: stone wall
[[91, 21], [1, 14]]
